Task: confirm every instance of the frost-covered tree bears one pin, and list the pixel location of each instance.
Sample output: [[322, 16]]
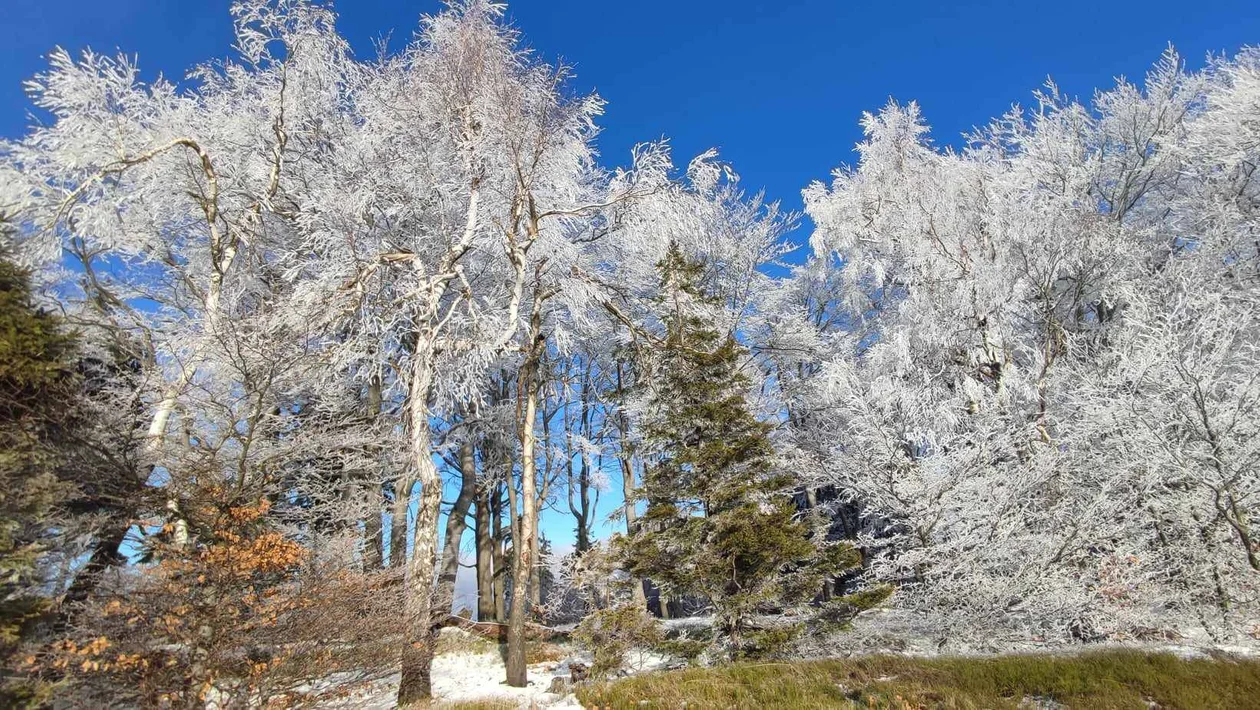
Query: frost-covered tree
[[304, 233], [1016, 314], [306, 288]]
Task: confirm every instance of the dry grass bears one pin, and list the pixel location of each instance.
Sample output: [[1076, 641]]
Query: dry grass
[[1104, 680], [457, 641], [478, 705], [544, 652]]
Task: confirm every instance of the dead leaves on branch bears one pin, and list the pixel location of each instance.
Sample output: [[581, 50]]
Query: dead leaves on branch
[[242, 611]]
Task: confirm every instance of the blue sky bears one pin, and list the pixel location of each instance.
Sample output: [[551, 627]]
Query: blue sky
[[777, 87]]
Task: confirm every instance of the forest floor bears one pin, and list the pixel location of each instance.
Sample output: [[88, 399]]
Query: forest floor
[[468, 674]]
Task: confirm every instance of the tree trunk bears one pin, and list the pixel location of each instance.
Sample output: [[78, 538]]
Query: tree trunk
[[419, 636], [627, 486], [535, 578], [525, 542], [398, 522], [154, 440], [485, 558], [500, 556], [456, 522], [632, 523], [373, 529], [582, 511], [415, 683]]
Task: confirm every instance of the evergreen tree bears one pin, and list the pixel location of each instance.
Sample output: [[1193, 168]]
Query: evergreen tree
[[36, 381], [719, 522]]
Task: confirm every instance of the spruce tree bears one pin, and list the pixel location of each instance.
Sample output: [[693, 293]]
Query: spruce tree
[[720, 523]]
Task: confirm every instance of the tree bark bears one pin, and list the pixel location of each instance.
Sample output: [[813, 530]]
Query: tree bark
[[627, 486], [398, 522], [525, 542], [456, 523], [500, 556], [373, 529], [582, 509], [535, 577], [485, 557], [415, 683]]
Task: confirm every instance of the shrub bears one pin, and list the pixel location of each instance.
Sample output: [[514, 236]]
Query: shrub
[[611, 633]]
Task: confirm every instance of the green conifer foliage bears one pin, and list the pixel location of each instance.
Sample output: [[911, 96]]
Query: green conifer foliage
[[719, 522], [36, 384]]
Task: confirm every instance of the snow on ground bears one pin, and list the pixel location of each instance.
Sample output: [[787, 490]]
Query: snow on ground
[[471, 675], [644, 661], [461, 678]]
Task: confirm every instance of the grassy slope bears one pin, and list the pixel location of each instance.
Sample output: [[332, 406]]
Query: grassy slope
[[1094, 681]]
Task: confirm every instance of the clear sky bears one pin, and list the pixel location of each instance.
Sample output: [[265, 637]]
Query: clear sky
[[777, 87]]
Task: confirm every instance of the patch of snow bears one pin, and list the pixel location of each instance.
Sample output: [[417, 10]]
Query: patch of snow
[[642, 661], [1036, 702], [457, 677], [687, 622]]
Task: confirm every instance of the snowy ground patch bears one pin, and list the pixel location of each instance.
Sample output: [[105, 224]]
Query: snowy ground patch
[[464, 676]]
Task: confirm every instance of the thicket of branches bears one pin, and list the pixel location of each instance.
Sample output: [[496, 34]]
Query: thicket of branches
[[291, 332]]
